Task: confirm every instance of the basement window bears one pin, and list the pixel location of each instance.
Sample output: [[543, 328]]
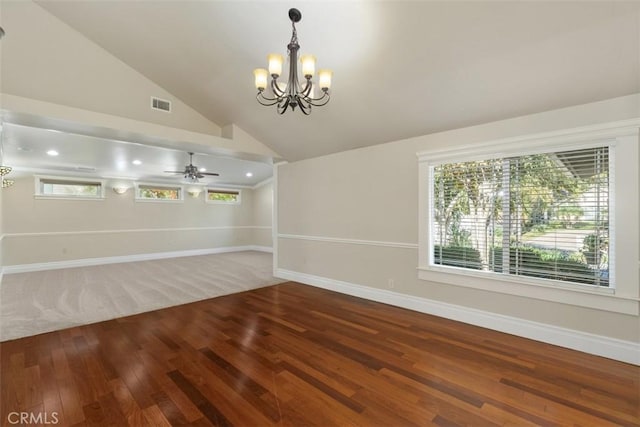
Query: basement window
[[68, 188], [158, 193], [230, 197]]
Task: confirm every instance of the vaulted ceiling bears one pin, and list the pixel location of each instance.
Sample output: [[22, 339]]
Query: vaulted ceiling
[[401, 69]]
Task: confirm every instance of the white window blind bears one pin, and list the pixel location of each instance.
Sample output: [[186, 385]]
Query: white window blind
[[542, 215]]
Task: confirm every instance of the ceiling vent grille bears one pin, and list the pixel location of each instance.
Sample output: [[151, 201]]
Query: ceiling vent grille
[[160, 104]]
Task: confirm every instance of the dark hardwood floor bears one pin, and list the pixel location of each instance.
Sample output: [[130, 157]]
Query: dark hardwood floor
[[295, 355]]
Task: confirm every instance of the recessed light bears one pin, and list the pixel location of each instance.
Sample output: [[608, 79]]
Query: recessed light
[[52, 153], [137, 162], [248, 174], [203, 169]]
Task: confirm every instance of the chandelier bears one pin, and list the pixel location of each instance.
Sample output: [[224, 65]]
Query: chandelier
[[292, 93], [4, 170]]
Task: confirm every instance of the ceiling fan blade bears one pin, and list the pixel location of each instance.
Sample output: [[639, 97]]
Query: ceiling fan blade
[[209, 173], [174, 171]]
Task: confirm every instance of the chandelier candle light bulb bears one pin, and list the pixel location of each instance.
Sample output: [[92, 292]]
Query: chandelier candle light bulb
[[324, 79], [308, 65], [261, 78], [275, 64], [292, 93]]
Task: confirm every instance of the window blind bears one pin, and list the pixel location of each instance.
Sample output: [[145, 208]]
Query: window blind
[[542, 215]]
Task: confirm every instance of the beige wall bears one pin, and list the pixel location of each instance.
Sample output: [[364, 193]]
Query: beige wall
[[38, 230], [371, 195], [50, 71], [262, 214]]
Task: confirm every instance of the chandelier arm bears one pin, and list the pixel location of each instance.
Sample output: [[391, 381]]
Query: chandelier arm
[[324, 95], [270, 101], [283, 105], [305, 107], [307, 88], [279, 93], [316, 101]]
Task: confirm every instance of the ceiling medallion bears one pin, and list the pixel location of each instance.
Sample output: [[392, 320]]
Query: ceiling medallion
[[292, 93]]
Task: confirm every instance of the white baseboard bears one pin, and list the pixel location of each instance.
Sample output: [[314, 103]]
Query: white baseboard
[[625, 351], [260, 248], [56, 265]]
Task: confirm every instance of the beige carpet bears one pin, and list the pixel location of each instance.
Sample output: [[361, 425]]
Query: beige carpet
[[32, 303]]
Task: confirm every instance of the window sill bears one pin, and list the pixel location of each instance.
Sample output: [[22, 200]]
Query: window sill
[[219, 202], [578, 295], [48, 197], [159, 200]]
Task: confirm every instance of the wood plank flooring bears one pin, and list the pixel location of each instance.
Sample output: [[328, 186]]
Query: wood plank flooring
[[293, 355]]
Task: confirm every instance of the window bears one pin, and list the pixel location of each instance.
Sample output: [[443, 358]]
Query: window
[[223, 196], [551, 217], [152, 192], [71, 188], [542, 215]]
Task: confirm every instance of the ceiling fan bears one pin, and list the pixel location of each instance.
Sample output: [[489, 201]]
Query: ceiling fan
[[191, 172]]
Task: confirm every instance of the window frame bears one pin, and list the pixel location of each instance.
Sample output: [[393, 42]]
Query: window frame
[[137, 197], [71, 180], [222, 190], [622, 295]]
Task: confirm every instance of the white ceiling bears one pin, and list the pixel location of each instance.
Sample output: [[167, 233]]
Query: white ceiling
[[25, 149], [401, 69]]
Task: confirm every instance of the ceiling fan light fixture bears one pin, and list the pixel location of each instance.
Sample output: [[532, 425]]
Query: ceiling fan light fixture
[[191, 173], [4, 170], [292, 93]]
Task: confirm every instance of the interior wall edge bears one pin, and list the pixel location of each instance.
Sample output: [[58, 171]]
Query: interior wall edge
[[612, 348]]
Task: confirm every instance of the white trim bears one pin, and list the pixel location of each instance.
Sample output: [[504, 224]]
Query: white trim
[[39, 195], [137, 198], [1, 252], [349, 241], [262, 183], [274, 215], [625, 351], [259, 248], [135, 230], [578, 295], [56, 265], [558, 138], [238, 200], [624, 135], [83, 198]]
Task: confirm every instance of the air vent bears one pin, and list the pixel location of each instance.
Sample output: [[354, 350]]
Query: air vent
[[161, 104]]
